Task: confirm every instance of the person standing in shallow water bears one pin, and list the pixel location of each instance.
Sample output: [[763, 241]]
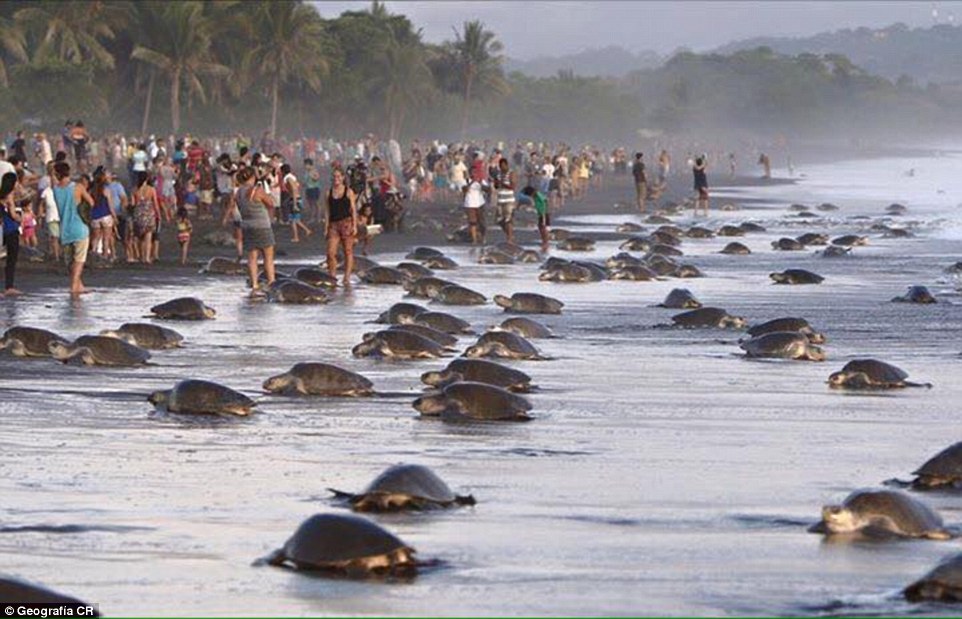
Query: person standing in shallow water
[[340, 227], [701, 183], [74, 234], [256, 209], [641, 182]]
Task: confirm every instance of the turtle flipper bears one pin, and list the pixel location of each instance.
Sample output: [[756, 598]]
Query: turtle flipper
[[911, 384], [464, 500], [275, 558], [340, 495]]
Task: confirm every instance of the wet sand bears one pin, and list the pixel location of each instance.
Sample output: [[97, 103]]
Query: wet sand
[[663, 473]]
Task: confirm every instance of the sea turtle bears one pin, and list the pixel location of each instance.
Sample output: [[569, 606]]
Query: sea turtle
[[916, 294], [29, 341], [942, 470], [896, 209], [455, 294], [850, 240], [671, 230], [400, 313], [664, 250], [414, 270], [657, 219], [797, 208], [636, 243], [529, 256], [871, 374], [443, 322], [401, 487], [183, 308], [440, 263], [15, 591], [512, 249], [796, 277], [812, 238], [384, 276], [319, 379], [345, 545], [577, 243], [749, 226], [827, 206], [941, 584], [315, 277], [423, 253], [398, 345], [633, 273], [806, 215], [736, 249], [687, 271], [554, 262], [99, 350], [570, 272], [708, 317], [680, 298], [444, 339], [529, 303], [525, 327], [898, 233], [621, 260], [462, 401], [504, 345], [629, 226], [698, 232], [495, 256], [835, 251], [729, 230], [218, 265], [792, 324], [954, 269], [293, 291], [202, 397], [783, 345], [596, 272], [664, 238], [882, 513], [146, 335], [787, 244], [558, 234], [479, 371], [426, 287], [661, 265]]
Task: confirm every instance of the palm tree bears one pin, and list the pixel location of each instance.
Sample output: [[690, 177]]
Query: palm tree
[[286, 45], [475, 56], [74, 30], [182, 51], [13, 44], [404, 81]]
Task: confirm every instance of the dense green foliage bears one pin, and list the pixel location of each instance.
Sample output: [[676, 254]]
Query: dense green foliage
[[227, 65]]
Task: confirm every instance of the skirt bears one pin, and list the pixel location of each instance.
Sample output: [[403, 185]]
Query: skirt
[[258, 238]]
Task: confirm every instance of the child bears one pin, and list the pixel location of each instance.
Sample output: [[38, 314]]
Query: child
[[191, 199], [291, 202], [365, 217], [184, 228], [541, 207], [28, 227]]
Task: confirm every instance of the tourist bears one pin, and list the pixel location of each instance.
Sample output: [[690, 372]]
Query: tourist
[[312, 191], [146, 216], [74, 234], [256, 210], [641, 182], [184, 228], [11, 225], [291, 201], [102, 216], [505, 183], [340, 227], [701, 183]]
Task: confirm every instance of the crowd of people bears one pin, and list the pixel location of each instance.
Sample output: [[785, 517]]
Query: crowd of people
[[109, 199]]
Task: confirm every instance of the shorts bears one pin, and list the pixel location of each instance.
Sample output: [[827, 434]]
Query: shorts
[[313, 194], [29, 233], [257, 238], [295, 216], [104, 223], [53, 228], [206, 196], [76, 252], [554, 185], [703, 193], [342, 229], [505, 212], [476, 215], [183, 237], [544, 220]]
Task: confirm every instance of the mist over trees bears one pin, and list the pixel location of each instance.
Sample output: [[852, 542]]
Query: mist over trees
[[227, 66]]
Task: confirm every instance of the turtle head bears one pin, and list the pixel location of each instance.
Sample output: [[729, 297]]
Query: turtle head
[[778, 278], [209, 312], [370, 335], [735, 322], [431, 405], [839, 519], [502, 300], [475, 351], [546, 276], [366, 347], [853, 380], [815, 353], [277, 383], [159, 398], [814, 337], [837, 379], [441, 379], [59, 350]]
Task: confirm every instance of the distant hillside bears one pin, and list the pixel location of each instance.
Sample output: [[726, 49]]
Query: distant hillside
[[610, 61], [925, 54]]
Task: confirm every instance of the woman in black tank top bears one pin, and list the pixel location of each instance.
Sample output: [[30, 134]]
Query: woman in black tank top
[[341, 226]]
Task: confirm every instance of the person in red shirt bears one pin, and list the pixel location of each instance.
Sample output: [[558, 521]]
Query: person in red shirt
[[195, 153]]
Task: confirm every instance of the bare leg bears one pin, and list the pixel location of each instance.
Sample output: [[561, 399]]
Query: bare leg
[[332, 243], [269, 264], [252, 270], [348, 260], [146, 248]]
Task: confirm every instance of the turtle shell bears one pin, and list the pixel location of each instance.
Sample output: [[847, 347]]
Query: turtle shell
[[525, 327], [414, 270], [424, 253], [701, 317], [326, 541], [442, 338], [947, 464], [13, 590], [110, 350], [323, 378], [487, 402], [400, 313], [182, 308], [426, 287], [454, 294], [895, 511], [36, 342], [151, 336], [943, 583], [680, 298], [443, 322], [205, 397], [441, 263], [412, 480], [512, 341], [774, 344], [780, 324], [877, 371], [384, 275], [488, 372], [531, 302]]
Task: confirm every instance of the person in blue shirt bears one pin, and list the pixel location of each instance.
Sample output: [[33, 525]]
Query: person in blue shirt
[[120, 202], [74, 233], [11, 225]]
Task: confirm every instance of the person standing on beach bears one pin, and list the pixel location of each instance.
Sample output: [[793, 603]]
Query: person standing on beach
[[732, 164], [540, 202], [766, 163], [312, 191], [256, 210], [291, 202], [505, 183], [11, 225], [146, 216], [641, 182], [701, 183], [340, 227], [74, 234]]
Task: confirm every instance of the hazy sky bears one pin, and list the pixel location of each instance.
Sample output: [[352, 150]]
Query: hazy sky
[[531, 28]]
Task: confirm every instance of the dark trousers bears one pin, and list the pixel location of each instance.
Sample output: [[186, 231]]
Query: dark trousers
[[12, 243]]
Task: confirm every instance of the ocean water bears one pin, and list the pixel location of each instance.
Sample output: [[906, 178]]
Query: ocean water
[[663, 473]]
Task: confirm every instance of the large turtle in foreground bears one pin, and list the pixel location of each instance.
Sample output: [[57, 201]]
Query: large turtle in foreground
[[344, 545], [201, 397], [319, 379], [871, 374], [943, 470], [401, 487], [882, 513], [99, 350], [479, 371], [183, 308], [941, 584], [467, 401], [529, 303], [29, 341], [15, 591]]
